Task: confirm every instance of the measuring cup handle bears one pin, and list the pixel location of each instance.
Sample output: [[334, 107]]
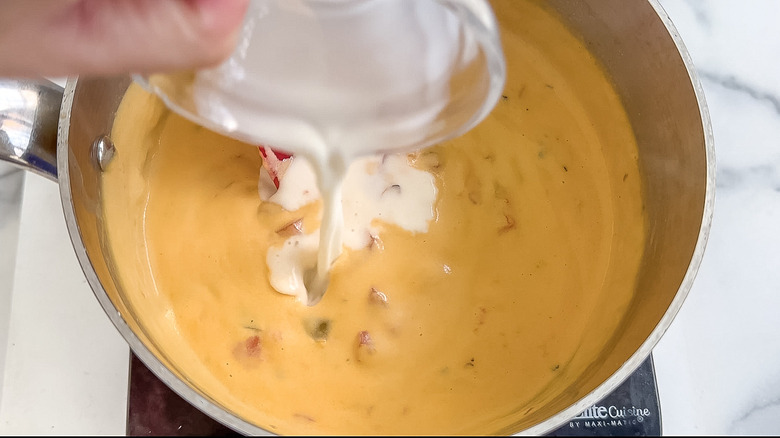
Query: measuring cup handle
[[29, 116]]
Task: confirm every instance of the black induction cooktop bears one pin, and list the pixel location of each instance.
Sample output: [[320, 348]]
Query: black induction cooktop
[[632, 409]]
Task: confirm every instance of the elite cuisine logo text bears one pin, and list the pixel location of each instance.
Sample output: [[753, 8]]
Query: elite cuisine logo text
[[609, 416]]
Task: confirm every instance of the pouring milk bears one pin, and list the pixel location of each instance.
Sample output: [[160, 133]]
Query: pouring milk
[[335, 82]]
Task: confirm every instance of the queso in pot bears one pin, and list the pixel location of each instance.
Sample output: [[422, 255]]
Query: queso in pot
[[526, 268]]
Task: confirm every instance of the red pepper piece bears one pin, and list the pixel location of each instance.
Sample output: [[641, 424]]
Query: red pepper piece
[[275, 163]]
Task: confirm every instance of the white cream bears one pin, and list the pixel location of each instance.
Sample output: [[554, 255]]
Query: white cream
[[377, 190], [333, 81]]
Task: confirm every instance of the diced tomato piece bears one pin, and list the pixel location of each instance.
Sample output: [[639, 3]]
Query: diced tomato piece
[[376, 296], [252, 345], [290, 229], [364, 346]]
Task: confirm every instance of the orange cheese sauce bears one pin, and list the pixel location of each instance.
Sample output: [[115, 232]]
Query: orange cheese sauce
[[514, 290]]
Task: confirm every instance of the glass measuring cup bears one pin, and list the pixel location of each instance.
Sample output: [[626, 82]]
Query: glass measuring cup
[[366, 75]]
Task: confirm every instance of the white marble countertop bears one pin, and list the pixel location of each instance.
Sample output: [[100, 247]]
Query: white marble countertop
[[718, 366]]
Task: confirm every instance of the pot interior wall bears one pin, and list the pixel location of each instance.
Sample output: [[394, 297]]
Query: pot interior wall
[[93, 108], [638, 53]]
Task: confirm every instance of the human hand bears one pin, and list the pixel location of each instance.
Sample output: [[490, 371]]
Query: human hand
[[101, 37]]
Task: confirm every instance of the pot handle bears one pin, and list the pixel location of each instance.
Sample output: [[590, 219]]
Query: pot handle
[[29, 116]]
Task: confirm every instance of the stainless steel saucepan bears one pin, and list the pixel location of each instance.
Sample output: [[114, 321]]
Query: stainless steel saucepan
[[64, 136]]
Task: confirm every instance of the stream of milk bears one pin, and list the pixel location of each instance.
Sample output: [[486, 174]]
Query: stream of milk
[[335, 82]]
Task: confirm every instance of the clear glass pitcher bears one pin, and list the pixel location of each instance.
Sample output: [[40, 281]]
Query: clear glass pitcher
[[368, 75]]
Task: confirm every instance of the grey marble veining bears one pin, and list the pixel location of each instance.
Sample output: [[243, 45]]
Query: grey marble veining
[[734, 83]]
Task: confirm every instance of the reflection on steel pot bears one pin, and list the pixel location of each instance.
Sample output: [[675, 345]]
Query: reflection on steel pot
[[639, 49]]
